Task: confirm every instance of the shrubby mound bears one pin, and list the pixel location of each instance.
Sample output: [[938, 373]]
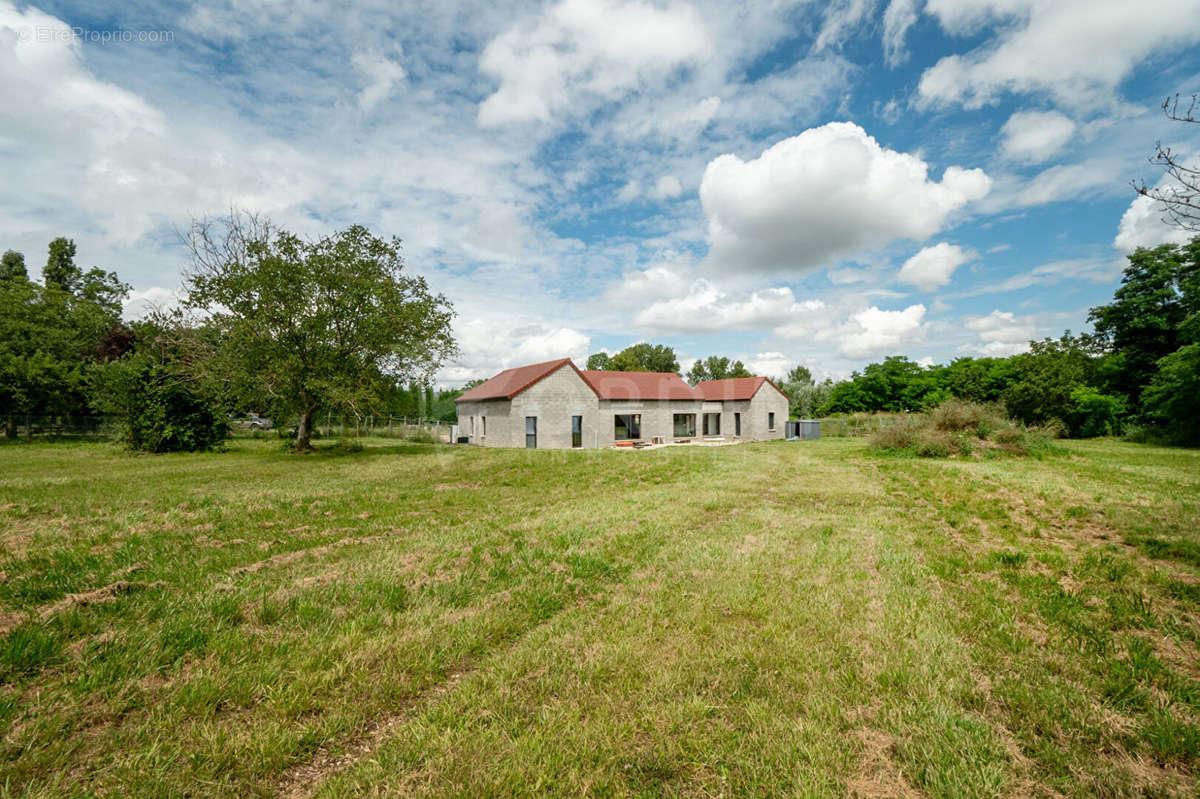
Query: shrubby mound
[[957, 428]]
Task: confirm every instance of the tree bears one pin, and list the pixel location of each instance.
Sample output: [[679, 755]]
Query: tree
[[1045, 378], [60, 269], [314, 324], [643, 357], [799, 374], [716, 368], [1180, 200], [599, 361], [1172, 400], [1159, 291], [12, 266]]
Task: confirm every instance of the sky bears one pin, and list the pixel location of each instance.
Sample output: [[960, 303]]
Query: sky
[[779, 182]]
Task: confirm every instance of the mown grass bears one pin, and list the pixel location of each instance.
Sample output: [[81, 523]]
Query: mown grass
[[769, 619]]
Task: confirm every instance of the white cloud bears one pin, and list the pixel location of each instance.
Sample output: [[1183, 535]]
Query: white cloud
[[667, 187], [707, 309], [142, 302], [1034, 136], [769, 364], [933, 266], [383, 74], [491, 345], [1142, 225], [597, 49], [876, 332], [841, 17], [897, 19], [1076, 51], [1001, 333], [829, 193]]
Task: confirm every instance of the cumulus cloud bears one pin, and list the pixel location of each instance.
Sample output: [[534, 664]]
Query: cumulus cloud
[[1142, 225], [933, 266], [707, 309], [1034, 136], [873, 331], [595, 49], [1001, 333], [383, 74], [490, 345], [769, 364], [829, 193], [1076, 51]]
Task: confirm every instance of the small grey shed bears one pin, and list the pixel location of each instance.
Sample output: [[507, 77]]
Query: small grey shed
[[803, 429]]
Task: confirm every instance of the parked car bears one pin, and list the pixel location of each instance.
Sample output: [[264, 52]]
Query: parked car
[[253, 421]]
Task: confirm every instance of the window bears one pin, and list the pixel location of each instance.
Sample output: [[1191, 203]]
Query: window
[[770, 421], [685, 425], [576, 431], [712, 424], [484, 420], [627, 426], [530, 432], [737, 424]]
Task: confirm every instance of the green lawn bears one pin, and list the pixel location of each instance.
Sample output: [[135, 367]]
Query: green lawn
[[799, 619]]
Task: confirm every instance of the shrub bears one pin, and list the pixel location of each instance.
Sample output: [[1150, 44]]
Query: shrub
[[158, 410], [1094, 414], [957, 428]]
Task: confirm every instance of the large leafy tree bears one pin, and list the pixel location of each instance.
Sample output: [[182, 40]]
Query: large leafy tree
[[50, 334], [1159, 291], [12, 266], [644, 357], [716, 367], [335, 322], [599, 361]]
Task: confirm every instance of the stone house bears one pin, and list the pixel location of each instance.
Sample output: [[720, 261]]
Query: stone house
[[556, 405]]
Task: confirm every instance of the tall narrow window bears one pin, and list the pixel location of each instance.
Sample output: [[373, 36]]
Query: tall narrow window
[[576, 431], [737, 424], [531, 432], [484, 420], [770, 421]]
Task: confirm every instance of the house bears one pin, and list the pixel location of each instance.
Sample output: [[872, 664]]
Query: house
[[556, 405]]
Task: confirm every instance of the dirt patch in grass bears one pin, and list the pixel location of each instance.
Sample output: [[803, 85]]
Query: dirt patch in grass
[[303, 780], [878, 775], [285, 558], [97, 596]]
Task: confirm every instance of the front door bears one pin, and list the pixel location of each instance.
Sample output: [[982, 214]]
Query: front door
[[531, 432]]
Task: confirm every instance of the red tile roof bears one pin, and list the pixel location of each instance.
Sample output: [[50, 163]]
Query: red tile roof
[[734, 388], [638, 385], [512, 382]]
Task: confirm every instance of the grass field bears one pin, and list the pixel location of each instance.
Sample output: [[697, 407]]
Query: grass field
[[804, 619]]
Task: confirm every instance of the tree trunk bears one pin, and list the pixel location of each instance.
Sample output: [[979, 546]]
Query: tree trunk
[[304, 431], [10, 427]]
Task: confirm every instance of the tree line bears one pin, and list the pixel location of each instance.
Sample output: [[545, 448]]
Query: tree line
[[269, 322]]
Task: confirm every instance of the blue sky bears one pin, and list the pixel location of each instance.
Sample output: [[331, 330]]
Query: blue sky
[[783, 183]]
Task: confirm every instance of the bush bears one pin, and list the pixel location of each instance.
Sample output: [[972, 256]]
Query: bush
[[1094, 414], [957, 428], [159, 411]]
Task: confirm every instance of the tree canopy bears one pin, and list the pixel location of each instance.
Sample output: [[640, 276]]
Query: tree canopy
[[641, 357], [716, 367], [335, 322]]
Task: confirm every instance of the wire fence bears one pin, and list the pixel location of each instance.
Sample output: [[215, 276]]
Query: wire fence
[[328, 425], [858, 424]]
